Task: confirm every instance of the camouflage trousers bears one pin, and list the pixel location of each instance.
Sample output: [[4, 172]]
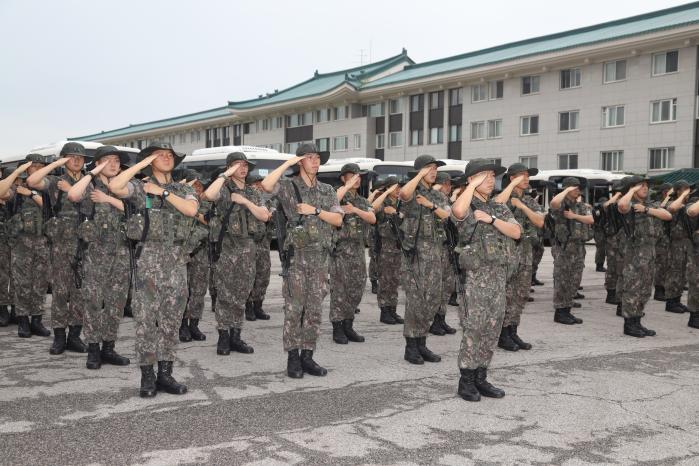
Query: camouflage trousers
[[197, 282], [6, 297], [30, 272], [537, 255], [388, 266], [347, 281], [263, 265], [481, 322], [693, 279], [662, 251], [637, 278], [235, 275], [422, 282], [568, 264], [105, 289], [614, 261], [448, 281], [66, 300], [677, 267], [518, 285], [159, 300], [304, 289], [374, 272], [600, 247]]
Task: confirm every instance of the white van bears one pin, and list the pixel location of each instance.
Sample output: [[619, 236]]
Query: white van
[[595, 183], [208, 161]]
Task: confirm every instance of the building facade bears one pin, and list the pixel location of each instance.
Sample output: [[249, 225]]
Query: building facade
[[620, 96]]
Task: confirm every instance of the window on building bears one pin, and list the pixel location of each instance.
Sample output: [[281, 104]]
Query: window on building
[[375, 110], [612, 116], [569, 121], [395, 106], [416, 137], [436, 100], [454, 133], [530, 85], [341, 113], [567, 161], [570, 78], [496, 89], [665, 62], [183, 138], [307, 118], [477, 130], [615, 71], [293, 120], [292, 146], [436, 135], [323, 144], [529, 161], [322, 115], [494, 129], [661, 158], [357, 141], [417, 103], [395, 139], [613, 160], [380, 141], [340, 143], [456, 96], [662, 111], [529, 125], [278, 122], [479, 92], [496, 162], [226, 136]]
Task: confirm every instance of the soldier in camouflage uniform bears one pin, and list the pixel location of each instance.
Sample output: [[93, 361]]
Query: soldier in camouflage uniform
[[165, 242], [241, 218], [308, 209], [263, 264], [62, 231], [439, 325], [347, 263], [600, 240], [389, 255], [537, 245], [637, 271], [528, 214], [693, 270], [6, 300], [197, 267], [679, 248], [486, 251], [662, 247], [106, 265], [612, 236], [423, 238], [29, 248], [568, 249]]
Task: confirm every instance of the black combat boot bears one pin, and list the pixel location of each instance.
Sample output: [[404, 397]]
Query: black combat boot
[[579, 296], [293, 365], [94, 361], [386, 316], [467, 385], [238, 344], [311, 367], [396, 317], [185, 334], [612, 297], [352, 335], [128, 312], [647, 331], [448, 329], [4, 316], [412, 354], [223, 347], [618, 310], [505, 340], [436, 327], [23, 330], [37, 328], [166, 382], [109, 356], [576, 305], [486, 388], [577, 320], [148, 387], [530, 299], [453, 299], [563, 316], [249, 311], [339, 335], [13, 315], [426, 354], [659, 293], [374, 286], [632, 329], [357, 311], [600, 268], [259, 312], [675, 306], [59, 341], [693, 320], [515, 337], [74, 343], [194, 331], [536, 281]]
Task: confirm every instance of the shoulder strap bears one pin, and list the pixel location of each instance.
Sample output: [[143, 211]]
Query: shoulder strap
[[297, 192]]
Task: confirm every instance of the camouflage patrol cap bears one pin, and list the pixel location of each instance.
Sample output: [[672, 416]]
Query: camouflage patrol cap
[[680, 185], [442, 178], [254, 178], [236, 156], [104, 151], [154, 146], [424, 160], [308, 148], [570, 181], [35, 158], [664, 187], [636, 179], [517, 168], [352, 168], [459, 181], [476, 166], [73, 148]]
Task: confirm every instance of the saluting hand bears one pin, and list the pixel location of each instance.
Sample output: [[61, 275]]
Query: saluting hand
[[517, 180], [24, 167], [349, 183], [98, 169], [478, 179]]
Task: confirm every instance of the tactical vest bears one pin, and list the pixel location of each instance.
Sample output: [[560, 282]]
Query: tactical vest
[[530, 232], [236, 220], [352, 228], [26, 218], [309, 231], [383, 221], [419, 224], [481, 243], [645, 228], [104, 223], [570, 230], [65, 216]]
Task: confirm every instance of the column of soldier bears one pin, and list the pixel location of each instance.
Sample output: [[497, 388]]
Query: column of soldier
[[152, 239]]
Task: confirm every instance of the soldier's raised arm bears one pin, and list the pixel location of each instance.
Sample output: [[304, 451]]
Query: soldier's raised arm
[[462, 205], [272, 179], [37, 180], [558, 199], [407, 191], [677, 204], [693, 209], [7, 182]]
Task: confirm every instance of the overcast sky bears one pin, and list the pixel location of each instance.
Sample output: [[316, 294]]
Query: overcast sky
[[71, 68]]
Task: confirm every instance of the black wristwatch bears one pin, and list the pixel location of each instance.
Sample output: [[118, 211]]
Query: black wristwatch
[[494, 218], [317, 212], [434, 208], [34, 193], [165, 194], [646, 210]]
